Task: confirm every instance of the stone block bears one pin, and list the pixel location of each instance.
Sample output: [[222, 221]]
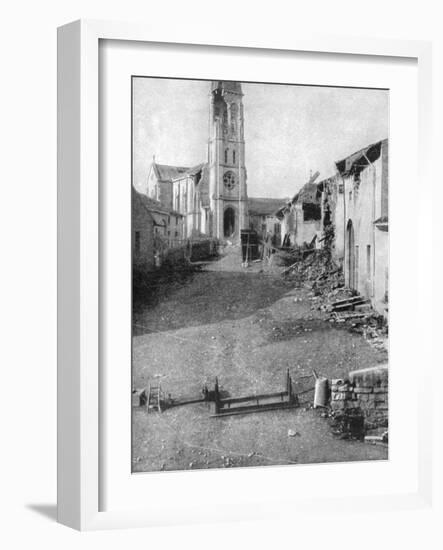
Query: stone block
[[381, 390], [343, 388], [361, 389], [362, 397], [381, 398], [341, 396], [350, 404], [371, 377]]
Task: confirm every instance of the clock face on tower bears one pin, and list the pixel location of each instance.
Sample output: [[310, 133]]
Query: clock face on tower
[[229, 180]]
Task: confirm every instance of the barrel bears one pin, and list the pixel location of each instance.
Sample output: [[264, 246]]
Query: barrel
[[321, 393]]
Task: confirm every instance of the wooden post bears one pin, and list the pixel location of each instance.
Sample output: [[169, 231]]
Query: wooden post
[[289, 388], [216, 397], [158, 399]]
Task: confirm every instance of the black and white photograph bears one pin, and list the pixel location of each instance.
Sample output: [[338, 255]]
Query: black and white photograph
[[260, 274]]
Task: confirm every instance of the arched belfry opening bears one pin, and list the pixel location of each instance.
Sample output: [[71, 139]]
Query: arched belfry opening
[[229, 222]]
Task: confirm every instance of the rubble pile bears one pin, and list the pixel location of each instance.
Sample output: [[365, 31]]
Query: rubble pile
[[346, 308], [348, 423], [315, 270]]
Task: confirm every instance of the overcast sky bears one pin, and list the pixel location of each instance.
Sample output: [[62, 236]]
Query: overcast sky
[[289, 130]]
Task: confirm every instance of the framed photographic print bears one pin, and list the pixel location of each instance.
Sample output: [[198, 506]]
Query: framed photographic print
[[231, 312]]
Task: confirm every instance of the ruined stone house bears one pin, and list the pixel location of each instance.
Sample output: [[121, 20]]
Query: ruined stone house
[[332, 220], [361, 222], [301, 217]]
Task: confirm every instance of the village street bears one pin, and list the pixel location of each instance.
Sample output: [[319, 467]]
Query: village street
[[247, 327]]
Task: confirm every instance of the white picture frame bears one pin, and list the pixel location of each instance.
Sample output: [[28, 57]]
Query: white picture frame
[[79, 253]]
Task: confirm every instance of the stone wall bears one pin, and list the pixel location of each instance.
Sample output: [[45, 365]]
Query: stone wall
[[365, 389]]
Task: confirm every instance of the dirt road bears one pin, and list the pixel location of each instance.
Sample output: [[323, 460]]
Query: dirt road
[[246, 326]]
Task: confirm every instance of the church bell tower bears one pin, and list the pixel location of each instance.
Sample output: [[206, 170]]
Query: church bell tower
[[226, 158]]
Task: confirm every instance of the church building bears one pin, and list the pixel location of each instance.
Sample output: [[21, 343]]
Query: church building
[[212, 197]]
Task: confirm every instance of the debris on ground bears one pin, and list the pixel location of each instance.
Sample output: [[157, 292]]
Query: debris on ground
[[377, 438], [292, 433], [268, 302], [348, 424], [318, 273], [315, 271]]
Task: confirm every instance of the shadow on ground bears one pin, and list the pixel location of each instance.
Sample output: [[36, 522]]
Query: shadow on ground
[[204, 297], [48, 511]]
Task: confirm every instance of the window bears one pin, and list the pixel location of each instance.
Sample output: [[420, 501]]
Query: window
[[226, 156], [137, 242], [233, 157], [311, 212], [229, 180]]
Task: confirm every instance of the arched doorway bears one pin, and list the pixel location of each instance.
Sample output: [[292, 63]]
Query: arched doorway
[[350, 253], [229, 222]]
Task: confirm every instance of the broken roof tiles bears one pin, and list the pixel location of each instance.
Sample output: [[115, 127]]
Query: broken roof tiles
[[357, 161], [165, 172]]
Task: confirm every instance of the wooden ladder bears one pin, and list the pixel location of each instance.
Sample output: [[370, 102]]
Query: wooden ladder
[[154, 398]]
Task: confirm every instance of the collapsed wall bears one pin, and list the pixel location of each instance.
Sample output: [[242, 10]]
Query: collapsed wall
[[365, 390]]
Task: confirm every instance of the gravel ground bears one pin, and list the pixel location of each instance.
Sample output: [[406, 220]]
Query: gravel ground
[[246, 326]]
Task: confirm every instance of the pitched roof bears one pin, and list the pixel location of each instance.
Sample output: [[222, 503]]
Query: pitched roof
[[165, 172], [358, 160], [264, 206], [309, 193], [153, 205], [193, 171]]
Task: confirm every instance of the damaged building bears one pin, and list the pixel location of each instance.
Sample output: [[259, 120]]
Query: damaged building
[[263, 218], [332, 220], [355, 211], [347, 214], [301, 217]]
